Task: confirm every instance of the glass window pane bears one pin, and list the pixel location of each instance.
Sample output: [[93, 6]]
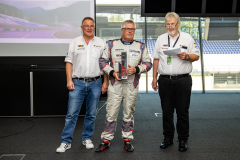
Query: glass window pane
[[221, 53], [155, 27], [221, 46]]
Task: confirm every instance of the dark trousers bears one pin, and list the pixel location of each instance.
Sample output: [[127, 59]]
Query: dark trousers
[[175, 93]]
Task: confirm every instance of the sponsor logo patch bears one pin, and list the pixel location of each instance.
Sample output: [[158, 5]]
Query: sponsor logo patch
[[134, 51], [97, 46], [127, 43], [116, 62], [81, 47], [195, 45], [118, 55], [110, 43], [165, 45], [67, 55], [135, 55], [119, 50], [133, 60], [142, 47]]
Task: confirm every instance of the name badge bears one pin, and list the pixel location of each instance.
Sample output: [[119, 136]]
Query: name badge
[[169, 60], [183, 47]]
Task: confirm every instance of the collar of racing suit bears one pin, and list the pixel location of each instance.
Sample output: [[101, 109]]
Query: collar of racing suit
[[126, 43]]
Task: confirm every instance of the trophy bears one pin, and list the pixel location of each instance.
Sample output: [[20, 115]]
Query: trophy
[[122, 66]]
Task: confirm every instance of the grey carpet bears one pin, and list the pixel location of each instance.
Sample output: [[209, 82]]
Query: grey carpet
[[214, 133]]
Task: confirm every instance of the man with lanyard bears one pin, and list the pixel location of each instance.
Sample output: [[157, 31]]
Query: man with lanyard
[[174, 82], [83, 81], [125, 90]]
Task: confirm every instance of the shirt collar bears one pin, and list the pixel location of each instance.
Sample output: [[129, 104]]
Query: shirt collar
[[126, 43], [90, 40], [174, 37]]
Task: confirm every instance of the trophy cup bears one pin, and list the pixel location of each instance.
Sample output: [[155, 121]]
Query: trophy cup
[[122, 66]]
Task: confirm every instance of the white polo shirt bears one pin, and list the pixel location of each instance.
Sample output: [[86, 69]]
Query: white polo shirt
[[85, 58], [178, 66]]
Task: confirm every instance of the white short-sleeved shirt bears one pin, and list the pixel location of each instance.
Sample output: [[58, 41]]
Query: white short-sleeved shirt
[[85, 58], [185, 42]]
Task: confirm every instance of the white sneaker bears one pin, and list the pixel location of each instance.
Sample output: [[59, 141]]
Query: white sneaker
[[88, 144], [63, 147]]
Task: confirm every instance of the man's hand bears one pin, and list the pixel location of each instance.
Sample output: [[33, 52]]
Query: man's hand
[[131, 70], [104, 87], [70, 85], [115, 74], [182, 55], [154, 84]]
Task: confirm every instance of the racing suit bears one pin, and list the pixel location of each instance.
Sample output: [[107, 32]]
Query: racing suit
[[125, 90]]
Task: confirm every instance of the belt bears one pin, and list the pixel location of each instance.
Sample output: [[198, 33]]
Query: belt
[[174, 76], [88, 79]]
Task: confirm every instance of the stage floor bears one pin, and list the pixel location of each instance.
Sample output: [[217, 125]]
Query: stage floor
[[214, 133]]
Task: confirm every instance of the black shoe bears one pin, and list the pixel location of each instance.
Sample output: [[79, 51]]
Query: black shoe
[[182, 146], [104, 145], [166, 143], [128, 146]]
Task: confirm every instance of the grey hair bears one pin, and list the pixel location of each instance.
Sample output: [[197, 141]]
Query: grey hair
[[88, 18], [170, 15], [128, 21]]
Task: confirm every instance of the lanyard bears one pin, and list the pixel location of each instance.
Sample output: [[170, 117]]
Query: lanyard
[[175, 41]]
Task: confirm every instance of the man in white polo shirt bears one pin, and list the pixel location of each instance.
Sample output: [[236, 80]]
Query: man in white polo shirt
[[174, 83], [83, 81]]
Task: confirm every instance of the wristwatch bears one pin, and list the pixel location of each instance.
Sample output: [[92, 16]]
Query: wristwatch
[[188, 58]]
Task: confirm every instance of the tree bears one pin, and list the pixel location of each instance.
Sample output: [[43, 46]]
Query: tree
[[112, 19], [190, 27], [119, 18], [116, 18]]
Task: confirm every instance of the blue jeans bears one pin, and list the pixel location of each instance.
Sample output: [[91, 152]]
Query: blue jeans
[[92, 91]]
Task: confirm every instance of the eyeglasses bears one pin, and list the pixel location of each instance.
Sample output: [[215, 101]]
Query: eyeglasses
[[171, 25], [129, 29], [87, 26]]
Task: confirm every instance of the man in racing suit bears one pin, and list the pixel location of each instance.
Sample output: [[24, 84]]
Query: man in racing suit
[[125, 90]]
